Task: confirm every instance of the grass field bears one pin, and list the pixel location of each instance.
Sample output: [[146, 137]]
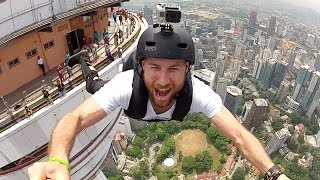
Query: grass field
[[191, 142]]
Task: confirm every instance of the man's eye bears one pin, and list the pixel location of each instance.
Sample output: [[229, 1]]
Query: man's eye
[[173, 69]]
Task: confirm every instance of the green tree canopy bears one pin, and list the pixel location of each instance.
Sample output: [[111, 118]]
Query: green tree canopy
[[239, 174], [188, 164]]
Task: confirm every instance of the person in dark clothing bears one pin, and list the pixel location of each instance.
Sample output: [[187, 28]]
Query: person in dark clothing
[[60, 87], [46, 96]]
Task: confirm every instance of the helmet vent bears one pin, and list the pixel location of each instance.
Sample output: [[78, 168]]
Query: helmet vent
[[182, 45], [150, 43]]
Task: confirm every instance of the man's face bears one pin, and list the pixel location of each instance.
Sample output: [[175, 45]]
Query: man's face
[[164, 78]]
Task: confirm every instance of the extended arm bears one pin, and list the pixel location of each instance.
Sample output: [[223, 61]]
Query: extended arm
[[63, 135], [249, 146]]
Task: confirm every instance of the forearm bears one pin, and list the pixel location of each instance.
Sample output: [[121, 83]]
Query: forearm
[[63, 136], [253, 151]]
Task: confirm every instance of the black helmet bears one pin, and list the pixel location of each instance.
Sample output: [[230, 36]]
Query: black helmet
[[166, 41]]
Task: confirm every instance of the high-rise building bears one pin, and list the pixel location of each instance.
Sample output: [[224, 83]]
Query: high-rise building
[[282, 91], [302, 79], [206, 76], [233, 99], [271, 43], [253, 19], [291, 58], [272, 26], [221, 87], [196, 48], [258, 69], [245, 35], [277, 55], [220, 68], [290, 103], [309, 94], [220, 32], [314, 104], [256, 114], [277, 141], [279, 74], [317, 63], [238, 50], [268, 73], [246, 110], [147, 14], [266, 54]]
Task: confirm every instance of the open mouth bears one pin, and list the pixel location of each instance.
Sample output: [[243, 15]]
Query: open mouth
[[162, 94]]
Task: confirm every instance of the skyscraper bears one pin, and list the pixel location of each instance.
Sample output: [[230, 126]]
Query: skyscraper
[[302, 79], [238, 50], [277, 141], [279, 73], [196, 47], [220, 32], [233, 99], [246, 110], [291, 58], [256, 114], [220, 67], [147, 14], [282, 91], [317, 63], [221, 89], [271, 43], [312, 91], [272, 26], [277, 55], [253, 19], [268, 73]]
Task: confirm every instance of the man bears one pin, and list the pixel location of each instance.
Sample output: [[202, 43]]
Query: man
[[67, 56], [41, 65], [46, 96], [159, 88]]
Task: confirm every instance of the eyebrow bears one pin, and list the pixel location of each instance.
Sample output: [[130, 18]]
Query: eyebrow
[[172, 66]]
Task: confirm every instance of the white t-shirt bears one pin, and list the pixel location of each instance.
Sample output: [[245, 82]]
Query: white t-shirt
[[117, 93], [40, 61]]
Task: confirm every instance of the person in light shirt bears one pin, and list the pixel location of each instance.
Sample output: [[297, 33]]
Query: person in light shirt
[[159, 88], [40, 62]]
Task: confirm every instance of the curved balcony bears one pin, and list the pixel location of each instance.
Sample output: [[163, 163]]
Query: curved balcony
[[18, 17], [26, 142]]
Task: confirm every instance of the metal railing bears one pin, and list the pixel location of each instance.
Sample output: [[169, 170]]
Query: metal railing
[[39, 102]]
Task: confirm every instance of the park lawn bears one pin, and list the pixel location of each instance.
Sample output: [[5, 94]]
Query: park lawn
[[216, 155], [195, 147]]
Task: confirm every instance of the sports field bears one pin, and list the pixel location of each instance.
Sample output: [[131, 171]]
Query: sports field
[[191, 142]]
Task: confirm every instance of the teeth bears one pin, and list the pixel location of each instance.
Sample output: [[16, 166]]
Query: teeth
[[162, 92]]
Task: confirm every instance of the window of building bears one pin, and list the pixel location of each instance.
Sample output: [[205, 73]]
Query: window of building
[[13, 63], [32, 53], [48, 45]]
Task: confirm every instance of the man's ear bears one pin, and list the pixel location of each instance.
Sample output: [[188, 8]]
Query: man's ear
[[187, 67]]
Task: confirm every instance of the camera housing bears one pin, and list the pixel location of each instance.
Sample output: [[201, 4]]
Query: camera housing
[[168, 13]]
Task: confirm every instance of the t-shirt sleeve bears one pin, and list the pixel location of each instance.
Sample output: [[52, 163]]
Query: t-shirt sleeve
[[116, 93], [204, 99]]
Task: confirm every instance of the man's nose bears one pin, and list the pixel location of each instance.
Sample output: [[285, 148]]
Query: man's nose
[[163, 78]]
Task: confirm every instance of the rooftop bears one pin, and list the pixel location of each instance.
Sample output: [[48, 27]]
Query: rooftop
[[283, 133], [260, 102], [234, 90]]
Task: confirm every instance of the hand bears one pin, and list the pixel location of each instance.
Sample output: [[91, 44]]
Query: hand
[[48, 170], [283, 177]]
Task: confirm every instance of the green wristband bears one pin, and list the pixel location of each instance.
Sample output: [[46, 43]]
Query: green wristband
[[61, 161]]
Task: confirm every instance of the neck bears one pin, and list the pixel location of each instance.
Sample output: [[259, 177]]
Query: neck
[[160, 109]]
